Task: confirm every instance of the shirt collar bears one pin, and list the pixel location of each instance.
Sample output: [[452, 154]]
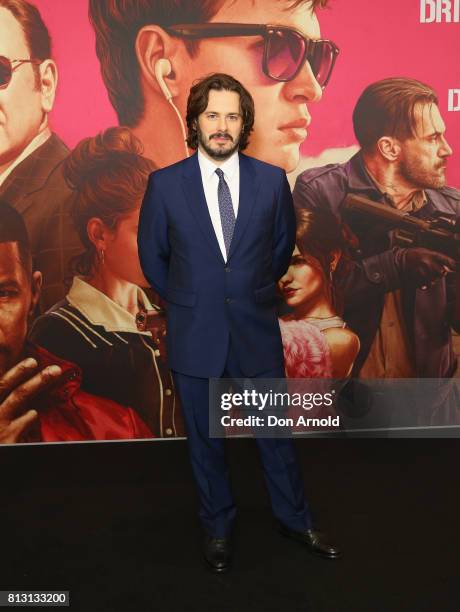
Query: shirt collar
[[208, 168], [412, 202], [36, 142], [359, 181], [101, 310]]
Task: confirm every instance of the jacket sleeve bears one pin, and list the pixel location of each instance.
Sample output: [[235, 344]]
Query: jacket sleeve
[[152, 238], [453, 300], [284, 229], [370, 275], [57, 333], [453, 280]]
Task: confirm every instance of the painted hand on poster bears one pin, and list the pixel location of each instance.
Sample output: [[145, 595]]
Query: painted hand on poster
[[285, 68], [18, 388], [20, 380], [41, 399], [402, 164], [94, 326]]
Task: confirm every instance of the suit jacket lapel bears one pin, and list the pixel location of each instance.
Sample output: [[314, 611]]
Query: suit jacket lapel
[[249, 186], [32, 173], [195, 198]]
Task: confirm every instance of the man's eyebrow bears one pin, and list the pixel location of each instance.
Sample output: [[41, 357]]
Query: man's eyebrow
[[9, 282], [435, 133], [211, 112]]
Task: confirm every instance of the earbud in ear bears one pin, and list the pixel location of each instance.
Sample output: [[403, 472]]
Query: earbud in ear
[[162, 69]]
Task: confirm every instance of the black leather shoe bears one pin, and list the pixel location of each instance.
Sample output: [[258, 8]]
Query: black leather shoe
[[217, 553], [312, 540]]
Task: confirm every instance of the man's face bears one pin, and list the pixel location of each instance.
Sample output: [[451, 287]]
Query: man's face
[[424, 157], [281, 113], [219, 126], [16, 301], [21, 110]]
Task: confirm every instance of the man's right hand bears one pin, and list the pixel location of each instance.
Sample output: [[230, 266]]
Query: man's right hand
[[17, 387], [423, 267]]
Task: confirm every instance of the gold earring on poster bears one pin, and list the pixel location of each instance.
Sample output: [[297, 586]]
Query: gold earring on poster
[[163, 69], [102, 256], [332, 295]]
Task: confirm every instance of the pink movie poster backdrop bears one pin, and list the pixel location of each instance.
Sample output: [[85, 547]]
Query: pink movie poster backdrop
[[377, 41], [77, 180]]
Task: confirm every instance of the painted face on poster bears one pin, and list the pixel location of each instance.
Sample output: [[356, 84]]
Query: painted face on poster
[[27, 95]]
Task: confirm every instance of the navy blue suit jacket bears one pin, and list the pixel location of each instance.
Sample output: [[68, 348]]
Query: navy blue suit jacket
[[209, 300]]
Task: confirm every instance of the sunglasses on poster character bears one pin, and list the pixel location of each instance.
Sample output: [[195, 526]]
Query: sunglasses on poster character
[[8, 66], [285, 49]]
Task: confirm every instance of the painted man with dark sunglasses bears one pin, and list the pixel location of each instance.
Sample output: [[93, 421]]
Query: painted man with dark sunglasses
[[273, 47], [29, 151]]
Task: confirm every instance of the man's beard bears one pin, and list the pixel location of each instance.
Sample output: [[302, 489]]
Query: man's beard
[[419, 176], [217, 154]]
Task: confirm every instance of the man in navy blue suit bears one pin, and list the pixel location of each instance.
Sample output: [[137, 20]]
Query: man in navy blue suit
[[216, 232]]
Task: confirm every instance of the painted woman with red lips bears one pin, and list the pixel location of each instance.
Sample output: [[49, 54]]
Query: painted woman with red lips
[[316, 341]]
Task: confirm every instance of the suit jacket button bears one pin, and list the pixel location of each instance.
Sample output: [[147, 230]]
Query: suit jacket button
[[227, 268], [157, 353], [228, 300], [168, 391], [169, 431]]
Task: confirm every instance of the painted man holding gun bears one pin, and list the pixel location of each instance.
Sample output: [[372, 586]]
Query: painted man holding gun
[[400, 301]]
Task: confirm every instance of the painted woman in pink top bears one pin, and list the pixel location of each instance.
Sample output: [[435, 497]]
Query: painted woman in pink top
[[316, 341]]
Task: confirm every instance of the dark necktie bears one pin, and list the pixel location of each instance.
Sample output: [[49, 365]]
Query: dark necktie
[[227, 214]]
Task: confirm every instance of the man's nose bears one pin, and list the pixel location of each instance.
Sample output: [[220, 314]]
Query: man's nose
[[445, 150], [304, 86], [222, 124]]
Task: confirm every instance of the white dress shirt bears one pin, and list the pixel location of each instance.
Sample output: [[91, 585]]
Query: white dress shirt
[[231, 170]]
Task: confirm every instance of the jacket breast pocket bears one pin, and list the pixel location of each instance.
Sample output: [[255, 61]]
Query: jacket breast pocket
[[266, 293], [178, 296]]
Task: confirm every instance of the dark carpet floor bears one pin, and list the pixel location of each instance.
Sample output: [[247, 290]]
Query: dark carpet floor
[[115, 524]]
